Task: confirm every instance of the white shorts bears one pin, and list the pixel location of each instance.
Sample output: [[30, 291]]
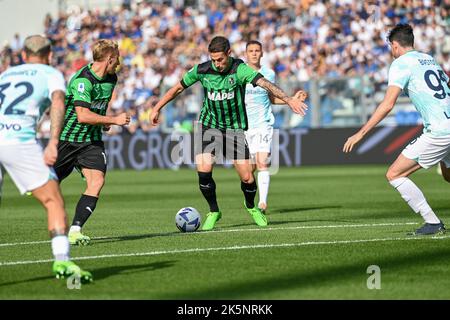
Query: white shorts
[[25, 165], [429, 150], [259, 139]]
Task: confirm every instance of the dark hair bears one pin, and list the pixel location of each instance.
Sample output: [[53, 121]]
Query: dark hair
[[253, 42], [219, 44], [403, 34]]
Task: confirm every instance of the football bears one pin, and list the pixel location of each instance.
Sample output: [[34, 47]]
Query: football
[[188, 219]]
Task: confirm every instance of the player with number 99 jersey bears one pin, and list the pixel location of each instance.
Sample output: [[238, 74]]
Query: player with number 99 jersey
[[426, 84]]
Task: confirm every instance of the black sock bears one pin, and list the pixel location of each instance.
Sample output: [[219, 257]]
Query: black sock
[[85, 207], [208, 189], [249, 190]]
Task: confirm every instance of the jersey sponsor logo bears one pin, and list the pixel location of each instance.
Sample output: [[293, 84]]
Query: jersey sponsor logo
[[427, 62], [11, 126], [446, 115], [220, 96], [81, 87]]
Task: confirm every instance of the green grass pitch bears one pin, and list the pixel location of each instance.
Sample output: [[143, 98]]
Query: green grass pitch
[[327, 225]]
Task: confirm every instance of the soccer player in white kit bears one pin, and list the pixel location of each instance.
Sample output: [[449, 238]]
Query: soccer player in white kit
[[427, 85], [258, 104], [26, 91]]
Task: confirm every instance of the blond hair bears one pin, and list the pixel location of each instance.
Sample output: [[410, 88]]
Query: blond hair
[[102, 48], [37, 45]]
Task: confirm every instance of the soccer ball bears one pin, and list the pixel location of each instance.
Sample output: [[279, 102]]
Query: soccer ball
[[188, 219]]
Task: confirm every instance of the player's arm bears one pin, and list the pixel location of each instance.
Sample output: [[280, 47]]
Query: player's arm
[[86, 116], [294, 103], [171, 94], [188, 80], [57, 112], [383, 109], [81, 90], [300, 94]]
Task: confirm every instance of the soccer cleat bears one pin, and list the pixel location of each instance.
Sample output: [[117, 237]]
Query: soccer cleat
[[430, 228], [77, 238], [257, 215], [211, 219], [66, 269]]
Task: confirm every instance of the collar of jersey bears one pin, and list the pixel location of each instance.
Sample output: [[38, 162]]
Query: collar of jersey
[[230, 63], [93, 73]]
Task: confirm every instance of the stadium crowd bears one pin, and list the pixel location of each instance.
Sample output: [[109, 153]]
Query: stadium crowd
[[302, 39]]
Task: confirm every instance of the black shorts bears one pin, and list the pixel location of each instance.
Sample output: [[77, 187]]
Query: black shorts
[[89, 155], [231, 144]]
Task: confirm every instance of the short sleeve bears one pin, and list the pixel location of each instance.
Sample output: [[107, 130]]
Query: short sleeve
[[81, 91], [190, 77], [56, 82], [246, 74], [399, 75]]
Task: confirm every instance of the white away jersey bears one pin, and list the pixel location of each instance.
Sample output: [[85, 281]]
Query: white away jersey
[[424, 81], [257, 102], [25, 93]]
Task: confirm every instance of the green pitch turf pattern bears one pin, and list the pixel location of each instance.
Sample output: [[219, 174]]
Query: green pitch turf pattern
[[327, 225]]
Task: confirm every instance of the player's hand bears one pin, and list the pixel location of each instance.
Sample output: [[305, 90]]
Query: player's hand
[[297, 106], [302, 95], [122, 119], [352, 141], [154, 117], [51, 153]]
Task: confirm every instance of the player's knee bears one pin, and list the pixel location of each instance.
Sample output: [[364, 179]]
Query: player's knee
[[247, 177], [390, 175]]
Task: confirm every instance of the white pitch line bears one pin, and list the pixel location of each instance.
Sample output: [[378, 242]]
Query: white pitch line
[[238, 230], [260, 246]]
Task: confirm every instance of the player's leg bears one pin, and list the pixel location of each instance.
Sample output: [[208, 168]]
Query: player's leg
[[95, 180], [244, 169], [27, 169], [92, 161], [207, 185], [237, 146], [262, 160], [49, 195], [206, 144], [425, 155]]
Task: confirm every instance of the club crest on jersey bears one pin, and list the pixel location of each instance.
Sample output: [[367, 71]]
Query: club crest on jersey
[[231, 81], [81, 87]]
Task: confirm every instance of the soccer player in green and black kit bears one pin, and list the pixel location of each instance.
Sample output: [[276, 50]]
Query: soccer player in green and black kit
[[224, 118], [81, 145]]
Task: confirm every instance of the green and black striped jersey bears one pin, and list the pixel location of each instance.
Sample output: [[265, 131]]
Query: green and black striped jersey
[[224, 101], [86, 90]]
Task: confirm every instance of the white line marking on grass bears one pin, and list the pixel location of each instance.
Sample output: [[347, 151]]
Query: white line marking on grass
[[370, 225], [232, 248]]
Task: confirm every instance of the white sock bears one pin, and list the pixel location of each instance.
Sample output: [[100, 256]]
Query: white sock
[[415, 199], [60, 248], [75, 229], [263, 185]]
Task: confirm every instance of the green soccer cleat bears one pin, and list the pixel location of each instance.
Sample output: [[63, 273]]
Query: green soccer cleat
[[211, 219], [77, 238], [66, 269], [257, 215]]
